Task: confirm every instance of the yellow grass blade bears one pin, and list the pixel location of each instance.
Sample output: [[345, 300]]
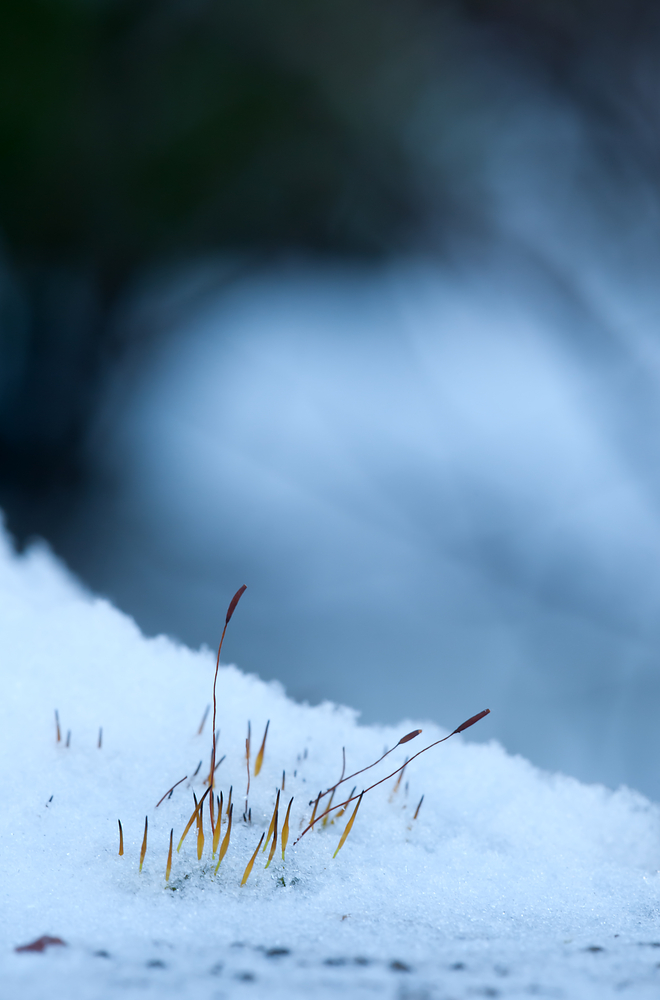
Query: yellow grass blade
[[225, 842], [272, 850], [348, 827], [200, 833], [272, 820], [250, 864], [316, 805], [260, 756], [143, 851], [218, 826], [193, 817], [328, 808], [285, 830], [168, 867]]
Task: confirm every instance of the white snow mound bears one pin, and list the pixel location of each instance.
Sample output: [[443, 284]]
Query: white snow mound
[[510, 882]]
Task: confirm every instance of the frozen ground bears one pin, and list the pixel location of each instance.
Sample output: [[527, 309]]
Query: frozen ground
[[511, 882]]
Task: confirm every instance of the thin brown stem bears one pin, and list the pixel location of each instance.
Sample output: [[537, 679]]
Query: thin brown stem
[[463, 726], [170, 790], [230, 610], [215, 707], [404, 739], [247, 764]]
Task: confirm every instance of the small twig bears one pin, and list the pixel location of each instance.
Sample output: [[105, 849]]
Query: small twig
[[459, 729], [404, 739], [170, 790]]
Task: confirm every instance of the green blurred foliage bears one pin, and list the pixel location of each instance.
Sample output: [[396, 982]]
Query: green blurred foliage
[[133, 128], [140, 133], [135, 133]]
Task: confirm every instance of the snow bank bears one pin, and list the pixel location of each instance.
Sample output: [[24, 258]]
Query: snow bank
[[510, 882]]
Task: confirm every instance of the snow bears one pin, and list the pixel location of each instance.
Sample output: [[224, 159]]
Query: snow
[[511, 882]]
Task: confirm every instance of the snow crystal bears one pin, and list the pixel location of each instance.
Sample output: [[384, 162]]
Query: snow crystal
[[510, 882]]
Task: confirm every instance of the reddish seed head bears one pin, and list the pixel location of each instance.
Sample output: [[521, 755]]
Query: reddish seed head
[[471, 722], [234, 601], [410, 736], [41, 944]]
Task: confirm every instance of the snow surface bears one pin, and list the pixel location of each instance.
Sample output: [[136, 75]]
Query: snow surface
[[511, 882]]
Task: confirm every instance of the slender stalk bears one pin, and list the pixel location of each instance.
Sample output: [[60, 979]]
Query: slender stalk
[[247, 764], [404, 739], [459, 729], [170, 790], [325, 821], [230, 610], [316, 805]]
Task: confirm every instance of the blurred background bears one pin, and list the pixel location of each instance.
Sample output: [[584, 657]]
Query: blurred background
[[356, 303]]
